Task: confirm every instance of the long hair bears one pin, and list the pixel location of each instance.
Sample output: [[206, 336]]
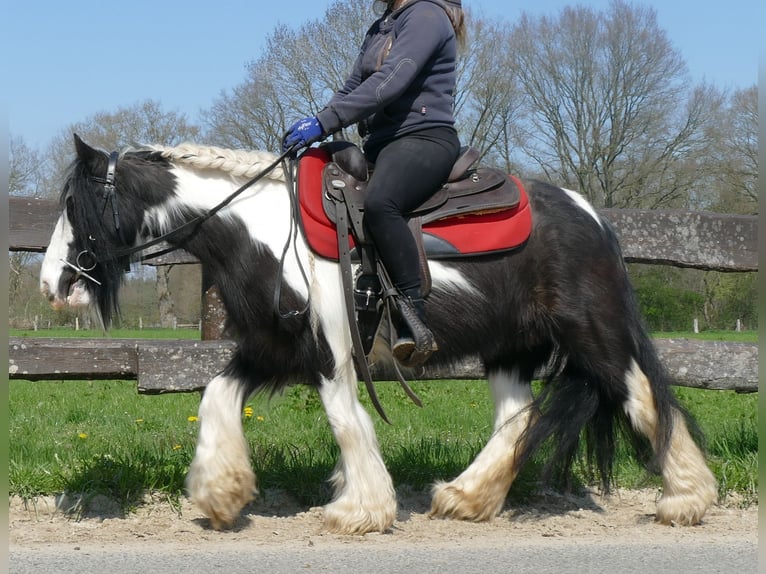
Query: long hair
[[455, 14], [457, 17]]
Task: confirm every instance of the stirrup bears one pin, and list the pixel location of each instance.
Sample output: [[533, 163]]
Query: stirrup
[[414, 348]]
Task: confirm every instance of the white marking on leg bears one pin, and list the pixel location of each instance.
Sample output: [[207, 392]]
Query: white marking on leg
[[221, 480], [689, 487], [480, 491], [364, 493]]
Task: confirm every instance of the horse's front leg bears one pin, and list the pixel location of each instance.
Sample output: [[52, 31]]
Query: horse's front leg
[[220, 480], [364, 498]]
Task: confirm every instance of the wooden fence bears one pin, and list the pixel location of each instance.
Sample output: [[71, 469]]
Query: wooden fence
[[680, 238]]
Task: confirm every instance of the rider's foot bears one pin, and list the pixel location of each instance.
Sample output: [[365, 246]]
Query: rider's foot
[[415, 342]]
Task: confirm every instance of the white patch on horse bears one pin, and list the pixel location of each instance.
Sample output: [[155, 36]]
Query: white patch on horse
[[583, 204], [50, 273], [689, 487], [480, 491], [364, 499], [221, 480], [450, 279], [264, 209]]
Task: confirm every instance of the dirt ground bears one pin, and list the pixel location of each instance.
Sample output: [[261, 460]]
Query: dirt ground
[[623, 517]]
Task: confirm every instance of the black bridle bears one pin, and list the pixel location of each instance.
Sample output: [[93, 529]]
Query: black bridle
[[110, 191], [87, 260], [188, 228]]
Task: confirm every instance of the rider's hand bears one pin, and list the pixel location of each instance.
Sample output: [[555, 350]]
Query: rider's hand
[[303, 133]]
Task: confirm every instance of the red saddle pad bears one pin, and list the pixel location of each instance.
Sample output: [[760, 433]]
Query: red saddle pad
[[461, 236]]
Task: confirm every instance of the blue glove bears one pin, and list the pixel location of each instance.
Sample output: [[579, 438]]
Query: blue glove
[[302, 133]]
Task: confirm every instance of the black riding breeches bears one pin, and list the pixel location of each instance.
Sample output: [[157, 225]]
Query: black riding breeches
[[408, 170]]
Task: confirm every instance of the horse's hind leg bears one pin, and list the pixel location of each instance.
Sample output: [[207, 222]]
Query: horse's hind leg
[[220, 480], [689, 487], [480, 491], [364, 493]]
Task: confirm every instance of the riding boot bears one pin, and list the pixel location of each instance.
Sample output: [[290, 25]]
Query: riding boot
[[414, 341]]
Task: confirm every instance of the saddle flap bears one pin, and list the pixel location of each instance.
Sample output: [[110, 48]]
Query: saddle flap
[[484, 190]]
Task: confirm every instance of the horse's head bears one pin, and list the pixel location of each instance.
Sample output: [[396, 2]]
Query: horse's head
[[101, 218]]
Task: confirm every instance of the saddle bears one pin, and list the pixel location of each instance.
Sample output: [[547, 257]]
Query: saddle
[[479, 210], [478, 191]]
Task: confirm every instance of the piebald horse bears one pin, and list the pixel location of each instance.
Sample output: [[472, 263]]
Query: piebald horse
[[559, 306]]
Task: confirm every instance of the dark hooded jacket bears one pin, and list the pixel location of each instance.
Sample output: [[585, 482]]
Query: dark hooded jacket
[[403, 79]]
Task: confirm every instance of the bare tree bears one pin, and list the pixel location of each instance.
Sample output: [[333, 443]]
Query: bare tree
[[25, 176], [734, 155], [488, 100], [297, 73], [301, 68], [608, 105]]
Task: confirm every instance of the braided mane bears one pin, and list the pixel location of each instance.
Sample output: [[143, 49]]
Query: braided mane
[[237, 162]]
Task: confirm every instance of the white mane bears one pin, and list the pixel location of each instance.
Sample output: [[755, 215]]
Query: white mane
[[237, 162]]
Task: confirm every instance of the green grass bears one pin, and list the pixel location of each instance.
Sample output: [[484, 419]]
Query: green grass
[[101, 437], [741, 337], [113, 334]]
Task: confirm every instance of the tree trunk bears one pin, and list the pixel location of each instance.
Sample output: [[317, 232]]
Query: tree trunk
[[165, 297]]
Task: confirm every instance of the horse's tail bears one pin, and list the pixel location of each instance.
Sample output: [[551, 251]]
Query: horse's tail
[[588, 389]]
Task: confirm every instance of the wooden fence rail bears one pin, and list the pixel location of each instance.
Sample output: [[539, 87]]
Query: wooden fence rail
[[162, 366], [681, 238]]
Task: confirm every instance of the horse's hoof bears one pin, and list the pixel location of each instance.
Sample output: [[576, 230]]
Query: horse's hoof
[[341, 517], [684, 509], [222, 499], [449, 500]]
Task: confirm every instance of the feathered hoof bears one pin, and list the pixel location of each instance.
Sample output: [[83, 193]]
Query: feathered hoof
[[344, 517], [221, 499], [450, 500], [684, 509]]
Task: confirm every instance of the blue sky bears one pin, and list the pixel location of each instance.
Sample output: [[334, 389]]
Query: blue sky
[[70, 60]]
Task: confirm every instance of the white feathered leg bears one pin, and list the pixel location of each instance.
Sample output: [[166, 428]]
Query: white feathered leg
[[364, 498], [689, 487], [220, 480], [480, 491]]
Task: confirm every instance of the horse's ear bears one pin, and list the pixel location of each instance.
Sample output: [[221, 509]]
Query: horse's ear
[[88, 155]]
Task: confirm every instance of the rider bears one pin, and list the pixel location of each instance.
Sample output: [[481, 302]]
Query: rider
[[401, 92]]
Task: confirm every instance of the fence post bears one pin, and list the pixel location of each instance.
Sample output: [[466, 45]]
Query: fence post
[[213, 312], [696, 326]]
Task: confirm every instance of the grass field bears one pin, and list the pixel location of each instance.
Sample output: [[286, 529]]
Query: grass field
[[101, 437]]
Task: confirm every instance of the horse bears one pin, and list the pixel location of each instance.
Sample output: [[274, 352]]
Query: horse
[[560, 306]]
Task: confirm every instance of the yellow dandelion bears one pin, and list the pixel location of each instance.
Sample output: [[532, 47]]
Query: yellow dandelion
[[259, 418], [83, 435], [177, 447], [248, 412], [192, 419], [139, 421]]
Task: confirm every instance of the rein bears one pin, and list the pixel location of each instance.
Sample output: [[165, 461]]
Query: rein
[[190, 227], [111, 193]]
